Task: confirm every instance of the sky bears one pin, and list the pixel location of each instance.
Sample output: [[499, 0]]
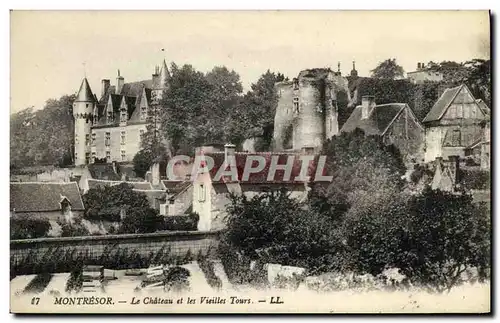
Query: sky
[[51, 51]]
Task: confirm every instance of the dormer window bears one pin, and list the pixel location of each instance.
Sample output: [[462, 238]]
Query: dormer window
[[123, 116], [144, 113], [110, 115]]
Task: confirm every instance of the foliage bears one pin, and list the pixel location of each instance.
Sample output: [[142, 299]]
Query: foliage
[[254, 114], [177, 279], [289, 283], [28, 228], [388, 69], [38, 284], [142, 162], [182, 222], [196, 107], [73, 229], [141, 220], [273, 227], [43, 137], [64, 259], [107, 202], [475, 179], [75, 281], [207, 267]]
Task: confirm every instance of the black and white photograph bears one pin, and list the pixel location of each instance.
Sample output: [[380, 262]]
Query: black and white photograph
[[279, 162]]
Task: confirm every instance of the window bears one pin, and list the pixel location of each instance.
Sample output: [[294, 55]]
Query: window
[[96, 119], [452, 112], [93, 156], [201, 193], [108, 156], [122, 138], [93, 139], [107, 141], [144, 113], [296, 104], [87, 158], [110, 115], [87, 139], [455, 138], [87, 105], [123, 116], [123, 155]]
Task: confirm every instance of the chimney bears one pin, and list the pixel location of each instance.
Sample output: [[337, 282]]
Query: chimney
[[229, 150], [104, 87], [119, 83], [419, 66], [367, 104], [454, 167]]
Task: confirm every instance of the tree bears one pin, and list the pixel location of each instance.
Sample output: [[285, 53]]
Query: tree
[[43, 137], [273, 227], [109, 202], [196, 107], [388, 69], [142, 162], [141, 220], [254, 115], [28, 228]]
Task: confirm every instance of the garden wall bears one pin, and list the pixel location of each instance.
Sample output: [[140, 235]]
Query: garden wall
[[59, 252]]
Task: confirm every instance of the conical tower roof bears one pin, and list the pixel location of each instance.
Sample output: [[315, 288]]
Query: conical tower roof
[[165, 74], [85, 93]]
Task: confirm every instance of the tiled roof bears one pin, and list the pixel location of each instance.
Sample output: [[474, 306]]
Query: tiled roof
[[152, 195], [261, 177], [135, 88], [94, 183], [442, 104], [85, 93], [44, 197], [380, 118], [103, 171]]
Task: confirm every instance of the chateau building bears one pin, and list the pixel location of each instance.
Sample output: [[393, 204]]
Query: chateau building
[[308, 107], [110, 127]]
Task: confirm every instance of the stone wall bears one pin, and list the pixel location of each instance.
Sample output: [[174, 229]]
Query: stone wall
[[179, 243]]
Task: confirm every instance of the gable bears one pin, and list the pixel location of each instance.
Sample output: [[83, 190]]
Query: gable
[[463, 106]]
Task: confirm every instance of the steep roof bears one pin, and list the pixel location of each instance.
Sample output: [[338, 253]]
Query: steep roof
[[483, 107], [44, 197], [85, 93], [442, 104], [379, 120], [103, 171]]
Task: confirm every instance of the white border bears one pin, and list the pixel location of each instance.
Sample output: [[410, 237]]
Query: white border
[[188, 5]]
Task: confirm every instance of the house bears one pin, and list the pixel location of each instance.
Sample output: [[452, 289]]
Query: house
[[455, 122], [211, 195], [394, 122], [424, 74], [51, 201]]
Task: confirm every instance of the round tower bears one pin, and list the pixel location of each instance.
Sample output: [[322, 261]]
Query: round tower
[[83, 108], [310, 118]]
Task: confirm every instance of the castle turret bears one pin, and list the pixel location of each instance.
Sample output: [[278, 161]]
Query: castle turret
[[83, 108], [164, 75]]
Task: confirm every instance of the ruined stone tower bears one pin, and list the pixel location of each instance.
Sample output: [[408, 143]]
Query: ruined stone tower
[[83, 108], [307, 111]]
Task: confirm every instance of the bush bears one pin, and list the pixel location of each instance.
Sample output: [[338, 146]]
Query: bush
[[182, 222], [207, 267], [141, 220], [75, 281], [28, 228], [75, 229], [38, 284], [177, 279]]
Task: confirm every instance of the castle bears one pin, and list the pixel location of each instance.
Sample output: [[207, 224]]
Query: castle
[[111, 127], [308, 107]]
